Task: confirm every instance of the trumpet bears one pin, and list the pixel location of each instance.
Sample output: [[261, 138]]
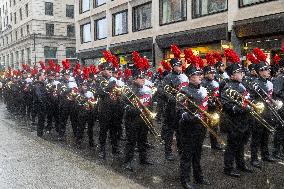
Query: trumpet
[[211, 119], [146, 115], [257, 108]]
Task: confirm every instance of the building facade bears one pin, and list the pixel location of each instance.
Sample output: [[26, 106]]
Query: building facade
[[36, 30], [151, 26]]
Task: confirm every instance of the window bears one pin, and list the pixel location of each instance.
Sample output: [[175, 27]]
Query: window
[[50, 52], [70, 52], [28, 29], [29, 56], [120, 23], [251, 2], [206, 7], [49, 8], [21, 32], [70, 31], [50, 29], [172, 11], [142, 17], [15, 17], [11, 18], [84, 6], [100, 29], [22, 57], [99, 2], [27, 10], [86, 33], [21, 15], [16, 35], [14, 2], [70, 11]]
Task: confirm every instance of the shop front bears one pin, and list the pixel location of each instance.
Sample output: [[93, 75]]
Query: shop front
[[266, 33]]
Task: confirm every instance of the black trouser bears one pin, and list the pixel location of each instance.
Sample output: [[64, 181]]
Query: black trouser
[[278, 141], [67, 109], [85, 117], [136, 132], [192, 136], [53, 115], [41, 110], [170, 126], [259, 140], [234, 151], [213, 140], [109, 123]]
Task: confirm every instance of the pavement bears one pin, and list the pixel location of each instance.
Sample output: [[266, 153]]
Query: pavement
[[27, 161]]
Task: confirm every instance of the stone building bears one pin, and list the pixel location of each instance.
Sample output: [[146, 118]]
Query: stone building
[[34, 30], [151, 26]]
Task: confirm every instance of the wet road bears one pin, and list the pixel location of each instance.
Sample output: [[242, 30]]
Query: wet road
[[27, 161]]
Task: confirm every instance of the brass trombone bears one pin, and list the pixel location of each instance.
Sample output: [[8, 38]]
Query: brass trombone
[[212, 119], [272, 105], [257, 108], [146, 115]]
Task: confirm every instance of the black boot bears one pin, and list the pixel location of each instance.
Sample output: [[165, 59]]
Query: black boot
[[231, 173], [128, 166], [102, 153], [255, 163], [203, 181], [186, 184], [245, 169], [169, 156]]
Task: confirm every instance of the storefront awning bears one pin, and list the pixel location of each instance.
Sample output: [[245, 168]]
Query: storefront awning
[[92, 53], [260, 26], [194, 37], [130, 46]]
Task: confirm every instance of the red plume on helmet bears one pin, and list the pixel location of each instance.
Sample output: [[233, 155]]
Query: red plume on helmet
[[24, 66], [86, 72], [252, 58], [93, 69], [210, 59], [77, 69], [51, 64], [282, 47], [57, 68], [140, 63], [231, 56], [66, 64], [42, 65], [111, 59], [188, 53], [200, 62], [218, 56], [166, 65], [34, 71], [127, 73], [108, 56], [259, 54], [160, 71], [176, 51], [276, 59]]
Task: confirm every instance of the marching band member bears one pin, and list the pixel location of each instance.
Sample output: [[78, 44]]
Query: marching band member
[[192, 132], [238, 130]]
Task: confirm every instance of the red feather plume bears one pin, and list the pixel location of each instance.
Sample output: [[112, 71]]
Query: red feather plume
[[127, 73], [259, 54], [86, 72], [218, 57], [175, 50], [51, 64], [57, 68], [252, 59], [166, 65], [66, 64], [93, 69], [160, 71], [210, 59], [231, 56], [276, 59], [42, 65]]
